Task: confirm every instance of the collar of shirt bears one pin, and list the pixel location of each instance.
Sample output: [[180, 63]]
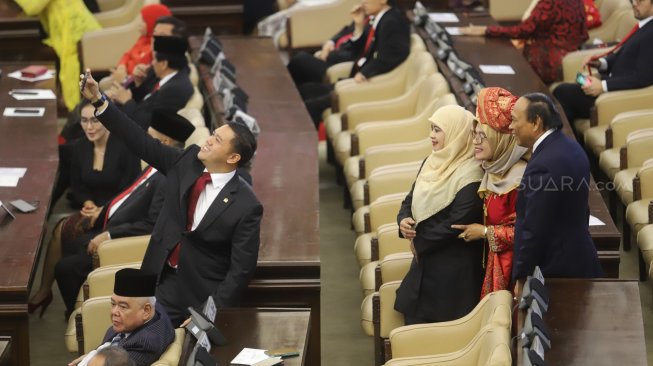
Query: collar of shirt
[[541, 138], [219, 180], [378, 17], [643, 22], [166, 78]]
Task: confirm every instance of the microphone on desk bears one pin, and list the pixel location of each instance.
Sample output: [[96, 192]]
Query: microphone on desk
[[534, 290], [420, 14], [457, 66], [534, 326], [443, 50], [534, 355]]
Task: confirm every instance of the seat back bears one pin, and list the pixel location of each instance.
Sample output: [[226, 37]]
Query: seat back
[[389, 240], [626, 122], [509, 10], [391, 179], [639, 145], [172, 354], [419, 67], [614, 27], [196, 100], [122, 15], [431, 89], [194, 115], [389, 317], [122, 250], [416, 43], [96, 319], [331, 16], [101, 280], [395, 266], [379, 156], [384, 209], [645, 174]]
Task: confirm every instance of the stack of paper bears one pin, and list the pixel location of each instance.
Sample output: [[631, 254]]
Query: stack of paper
[[32, 94], [9, 176], [254, 357]]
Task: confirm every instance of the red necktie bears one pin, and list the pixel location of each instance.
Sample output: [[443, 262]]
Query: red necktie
[[195, 192], [615, 48], [368, 42], [124, 193], [156, 87]]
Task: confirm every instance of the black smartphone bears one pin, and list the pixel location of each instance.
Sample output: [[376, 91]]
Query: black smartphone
[[26, 111], [580, 79], [86, 74]]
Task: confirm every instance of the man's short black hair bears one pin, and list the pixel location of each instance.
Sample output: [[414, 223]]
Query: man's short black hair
[[244, 142], [115, 356], [540, 105], [179, 28], [176, 62], [83, 103]]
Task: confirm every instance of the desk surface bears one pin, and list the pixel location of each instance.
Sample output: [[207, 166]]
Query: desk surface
[[285, 170], [262, 329], [595, 323], [25, 142]]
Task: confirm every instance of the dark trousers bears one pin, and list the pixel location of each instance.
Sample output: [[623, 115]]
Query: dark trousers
[[575, 103], [317, 98], [73, 268], [168, 294], [305, 68]]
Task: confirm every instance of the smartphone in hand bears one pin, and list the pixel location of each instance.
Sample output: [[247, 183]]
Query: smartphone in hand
[[86, 75], [580, 79]]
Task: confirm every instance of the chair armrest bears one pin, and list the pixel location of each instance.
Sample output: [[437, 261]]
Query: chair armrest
[[384, 209], [123, 250], [350, 92], [389, 317], [339, 71], [301, 24], [609, 104], [395, 266], [574, 62], [625, 123], [400, 107], [396, 154]]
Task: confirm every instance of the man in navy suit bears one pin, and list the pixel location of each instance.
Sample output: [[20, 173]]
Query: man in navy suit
[[132, 212], [206, 239], [552, 226], [627, 68], [139, 325]]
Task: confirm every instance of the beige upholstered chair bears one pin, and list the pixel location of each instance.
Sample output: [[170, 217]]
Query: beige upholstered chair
[[198, 137], [123, 14], [608, 105], [372, 139], [412, 107], [617, 20], [173, 353], [101, 280], [301, 29], [615, 136], [638, 149], [122, 250], [385, 317], [509, 10], [379, 88], [194, 115], [385, 180], [93, 320], [495, 310], [106, 5], [490, 346], [382, 211], [638, 212], [196, 100]]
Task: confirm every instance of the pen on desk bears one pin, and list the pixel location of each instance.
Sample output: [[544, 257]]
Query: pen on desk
[[23, 92]]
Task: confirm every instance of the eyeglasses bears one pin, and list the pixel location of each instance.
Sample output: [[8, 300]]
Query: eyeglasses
[[88, 121], [478, 136]]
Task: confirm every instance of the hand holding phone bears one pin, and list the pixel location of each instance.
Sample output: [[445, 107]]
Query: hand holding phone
[[581, 79], [84, 79]]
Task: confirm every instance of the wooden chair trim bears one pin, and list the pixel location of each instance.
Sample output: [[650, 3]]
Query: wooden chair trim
[[594, 117], [79, 328], [361, 168], [289, 34], [623, 158], [637, 188], [387, 350], [367, 222], [366, 193], [96, 260], [354, 145], [86, 291], [609, 143], [344, 122], [375, 248], [376, 320], [378, 279], [335, 102]]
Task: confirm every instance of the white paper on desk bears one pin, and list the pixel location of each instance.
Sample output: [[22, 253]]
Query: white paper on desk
[[454, 31], [9, 180], [497, 69], [32, 94], [594, 221], [18, 75], [12, 172], [444, 17], [249, 356], [16, 112]]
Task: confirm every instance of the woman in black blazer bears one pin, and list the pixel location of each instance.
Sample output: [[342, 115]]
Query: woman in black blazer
[[445, 277]]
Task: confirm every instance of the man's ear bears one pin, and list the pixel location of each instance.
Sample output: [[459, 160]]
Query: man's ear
[[234, 158], [538, 124], [147, 311]]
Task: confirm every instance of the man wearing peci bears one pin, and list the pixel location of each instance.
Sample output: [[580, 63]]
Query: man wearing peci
[[206, 239], [552, 225]]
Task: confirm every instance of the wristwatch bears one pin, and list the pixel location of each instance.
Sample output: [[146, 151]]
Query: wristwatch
[[98, 103]]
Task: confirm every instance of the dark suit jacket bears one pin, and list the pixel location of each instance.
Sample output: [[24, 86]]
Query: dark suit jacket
[[146, 344], [137, 215], [631, 67], [146, 87], [174, 94], [389, 48], [552, 213], [219, 257], [445, 282]]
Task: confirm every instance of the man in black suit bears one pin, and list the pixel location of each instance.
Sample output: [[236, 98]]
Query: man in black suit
[[630, 67], [172, 91], [206, 239], [140, 326], [132, 212], [552, 226]]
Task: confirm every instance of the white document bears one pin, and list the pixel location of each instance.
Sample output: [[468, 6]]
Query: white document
[[249, 356], [444, 17], [32, 94], [18, 75], [497, 69], [594, 221], [454, 31], [23, 112], [9, 181], [12, 172]]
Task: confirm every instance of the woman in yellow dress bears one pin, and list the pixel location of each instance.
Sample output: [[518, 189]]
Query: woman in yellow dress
[[65, 22]]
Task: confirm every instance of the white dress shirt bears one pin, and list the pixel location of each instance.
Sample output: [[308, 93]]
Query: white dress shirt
[[218, 181], [541, 138]]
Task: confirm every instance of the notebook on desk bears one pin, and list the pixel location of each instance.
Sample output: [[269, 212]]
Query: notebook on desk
[[33, 71]]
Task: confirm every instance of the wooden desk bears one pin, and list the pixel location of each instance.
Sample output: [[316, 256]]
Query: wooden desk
[[285, 175], [260, 328], [496, 51], [593, 323], [31, 143], [20, 35]]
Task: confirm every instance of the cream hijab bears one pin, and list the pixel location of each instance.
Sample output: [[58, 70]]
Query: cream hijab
[[504, 171], [447, 171]]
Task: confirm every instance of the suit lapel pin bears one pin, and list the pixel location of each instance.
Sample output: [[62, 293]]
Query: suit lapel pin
[[225, 200]]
